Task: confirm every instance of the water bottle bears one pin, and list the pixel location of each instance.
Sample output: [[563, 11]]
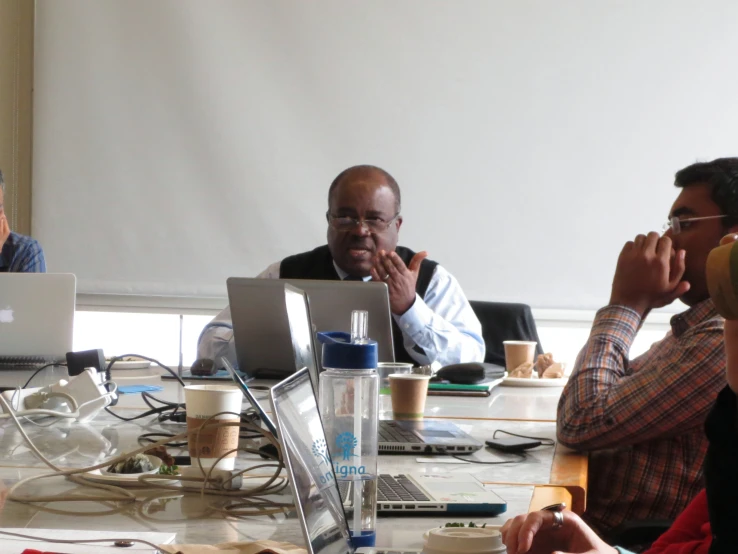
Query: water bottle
[[349, 394]]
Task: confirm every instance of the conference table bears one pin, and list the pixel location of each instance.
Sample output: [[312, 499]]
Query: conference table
[[548, 475]]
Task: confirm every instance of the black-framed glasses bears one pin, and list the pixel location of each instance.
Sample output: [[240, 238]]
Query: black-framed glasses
[[677, 225], [348, 223]]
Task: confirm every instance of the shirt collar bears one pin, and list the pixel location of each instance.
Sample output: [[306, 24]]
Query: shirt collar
[[695, 315], [342, 274]]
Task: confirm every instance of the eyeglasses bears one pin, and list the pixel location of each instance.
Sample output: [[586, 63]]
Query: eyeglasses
[[677, 225], [348, 223]]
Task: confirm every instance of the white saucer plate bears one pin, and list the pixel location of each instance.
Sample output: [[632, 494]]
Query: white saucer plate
[[521, 382]]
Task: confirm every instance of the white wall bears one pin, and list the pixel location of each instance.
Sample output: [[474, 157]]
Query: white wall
[[180, 142]]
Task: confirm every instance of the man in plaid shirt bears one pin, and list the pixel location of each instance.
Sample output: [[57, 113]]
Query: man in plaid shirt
[[642, 419], [18, 253]]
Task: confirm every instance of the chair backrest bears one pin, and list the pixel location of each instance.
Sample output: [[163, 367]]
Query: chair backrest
[[504, 321]]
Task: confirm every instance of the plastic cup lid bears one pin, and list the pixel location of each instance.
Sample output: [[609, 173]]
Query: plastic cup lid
[[463, 540]]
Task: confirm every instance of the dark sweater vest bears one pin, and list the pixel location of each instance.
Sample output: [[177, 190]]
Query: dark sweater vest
[[318, 264]]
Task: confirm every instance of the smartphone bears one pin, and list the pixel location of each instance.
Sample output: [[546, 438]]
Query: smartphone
[[513, 444]]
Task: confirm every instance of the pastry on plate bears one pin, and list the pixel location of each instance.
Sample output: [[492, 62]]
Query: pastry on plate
[[523, 371], [554, 371], [543, 362]]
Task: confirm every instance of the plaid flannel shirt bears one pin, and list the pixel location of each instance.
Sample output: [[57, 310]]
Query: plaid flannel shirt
[[22, 254], [642, 420]]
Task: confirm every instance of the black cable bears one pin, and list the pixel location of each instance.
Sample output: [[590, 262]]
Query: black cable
[[39, 371], [152, 360], [151, 412], [522, 455], [544, 441]]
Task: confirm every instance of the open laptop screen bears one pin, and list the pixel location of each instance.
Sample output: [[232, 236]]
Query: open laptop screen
[[305, 453]]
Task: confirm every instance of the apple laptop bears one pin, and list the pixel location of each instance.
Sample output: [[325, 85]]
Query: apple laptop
[[317, 490], [36, 317]]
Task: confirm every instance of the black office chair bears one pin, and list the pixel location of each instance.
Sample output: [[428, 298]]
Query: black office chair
[[504, 321]]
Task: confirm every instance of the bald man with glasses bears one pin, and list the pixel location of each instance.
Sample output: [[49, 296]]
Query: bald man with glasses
[[642, 419], [433, 321]]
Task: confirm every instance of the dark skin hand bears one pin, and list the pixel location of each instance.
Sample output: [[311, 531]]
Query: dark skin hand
[[649, 274], [388, 267]]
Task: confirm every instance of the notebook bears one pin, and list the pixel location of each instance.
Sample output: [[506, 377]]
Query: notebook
[[36, 317]]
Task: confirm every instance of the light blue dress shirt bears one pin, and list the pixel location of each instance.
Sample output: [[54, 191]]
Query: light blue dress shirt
[[442, 323]]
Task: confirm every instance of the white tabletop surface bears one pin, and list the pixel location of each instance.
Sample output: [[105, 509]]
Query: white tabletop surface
[[71, 444]]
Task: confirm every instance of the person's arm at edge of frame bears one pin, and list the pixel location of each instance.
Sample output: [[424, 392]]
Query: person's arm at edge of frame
[[216, 338], [587, 414]]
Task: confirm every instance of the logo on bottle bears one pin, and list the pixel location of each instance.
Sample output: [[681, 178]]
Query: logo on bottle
[[320, 449], [346, 443]]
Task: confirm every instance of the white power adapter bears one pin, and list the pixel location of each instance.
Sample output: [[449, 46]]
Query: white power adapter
[[87, 389]]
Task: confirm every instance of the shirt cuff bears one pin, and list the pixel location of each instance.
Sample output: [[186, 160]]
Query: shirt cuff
[[617, 323], [622, 550], [416, 319]]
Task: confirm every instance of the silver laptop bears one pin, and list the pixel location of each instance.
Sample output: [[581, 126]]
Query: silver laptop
[[36, 317], [331, 304], [317, 489], [261, 328]]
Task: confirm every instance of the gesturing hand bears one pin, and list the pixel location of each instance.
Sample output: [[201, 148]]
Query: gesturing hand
[[649, 274], [401, 279], [534, 533], [4, 230]]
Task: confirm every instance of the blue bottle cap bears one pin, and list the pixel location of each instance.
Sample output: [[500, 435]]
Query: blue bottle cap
[[340, 353], [366, 539]]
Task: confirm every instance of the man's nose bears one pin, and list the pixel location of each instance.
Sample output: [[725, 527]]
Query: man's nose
[[360, 229]]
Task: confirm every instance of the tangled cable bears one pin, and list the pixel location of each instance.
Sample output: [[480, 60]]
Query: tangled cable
[[251, 498]]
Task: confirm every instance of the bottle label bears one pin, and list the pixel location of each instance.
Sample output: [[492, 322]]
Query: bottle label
[[344, 455]]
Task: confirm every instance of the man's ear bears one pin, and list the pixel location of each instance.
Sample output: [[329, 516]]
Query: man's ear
[[399, 222]]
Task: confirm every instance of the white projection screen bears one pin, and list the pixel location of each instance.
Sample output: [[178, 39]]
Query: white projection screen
[[180, 142]]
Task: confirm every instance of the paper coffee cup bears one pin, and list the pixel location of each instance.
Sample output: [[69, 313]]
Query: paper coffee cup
[[408, 392], [722, 279], [463, 540], [202, 402], [518, 352]]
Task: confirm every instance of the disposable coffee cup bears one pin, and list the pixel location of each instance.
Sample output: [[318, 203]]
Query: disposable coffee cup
[[202, 402], [722, 279], [518, 352], [408, 392], [463, 540]]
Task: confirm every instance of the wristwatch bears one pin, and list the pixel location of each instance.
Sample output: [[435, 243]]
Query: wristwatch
[[557, 511]]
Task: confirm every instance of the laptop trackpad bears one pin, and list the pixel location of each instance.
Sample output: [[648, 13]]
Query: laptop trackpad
[[433, 432]]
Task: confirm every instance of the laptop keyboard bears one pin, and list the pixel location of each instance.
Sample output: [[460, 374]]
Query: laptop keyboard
[[390, 432], [401, 488], [390, 489], [18, 362]]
